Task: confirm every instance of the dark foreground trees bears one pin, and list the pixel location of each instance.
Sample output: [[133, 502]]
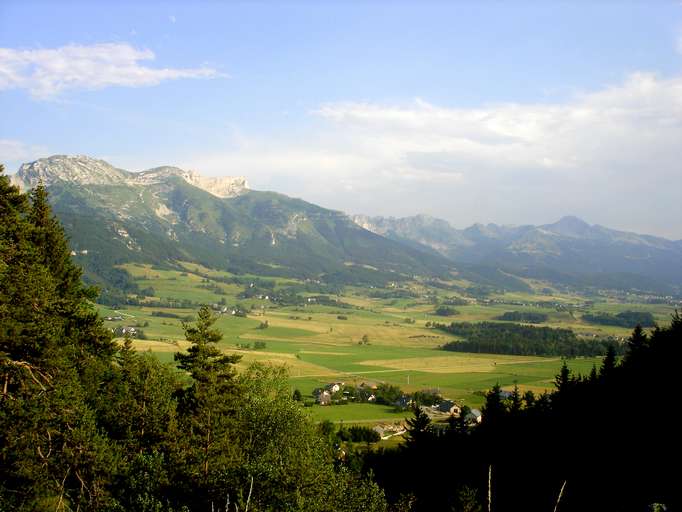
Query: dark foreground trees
[[612, 438], [89, 425]]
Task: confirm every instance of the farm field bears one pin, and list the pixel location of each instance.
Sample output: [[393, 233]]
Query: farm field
[[324, 343]]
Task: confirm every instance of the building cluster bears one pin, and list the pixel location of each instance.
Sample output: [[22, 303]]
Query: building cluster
[[338, 393]]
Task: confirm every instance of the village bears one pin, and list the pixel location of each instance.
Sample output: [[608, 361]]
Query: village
[[437, 408]]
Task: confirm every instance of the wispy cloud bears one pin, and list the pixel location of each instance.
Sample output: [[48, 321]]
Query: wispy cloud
[[47, 72], [637, 121], [513, 162]]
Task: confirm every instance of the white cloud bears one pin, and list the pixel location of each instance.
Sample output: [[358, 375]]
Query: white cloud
[[47, 72], [612, 155], [636, 120]]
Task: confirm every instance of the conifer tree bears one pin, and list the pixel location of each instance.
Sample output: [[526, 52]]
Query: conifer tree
[[208, 408], [638, 343], [609, 363], [53, 454], [494, 409], [203, 359], [564, 380], [418, 428], [515, 400]]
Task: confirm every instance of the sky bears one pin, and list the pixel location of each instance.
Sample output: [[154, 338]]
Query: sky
[[504, 112]]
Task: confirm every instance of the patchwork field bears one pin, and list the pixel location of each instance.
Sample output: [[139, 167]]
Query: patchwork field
[[362, 339]]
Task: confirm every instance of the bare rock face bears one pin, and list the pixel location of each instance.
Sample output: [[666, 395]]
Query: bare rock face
[[226, 186], [71, 169], [221, 186], [85, 170]]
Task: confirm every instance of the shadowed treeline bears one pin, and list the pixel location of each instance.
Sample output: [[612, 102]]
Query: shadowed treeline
[[610, 437]]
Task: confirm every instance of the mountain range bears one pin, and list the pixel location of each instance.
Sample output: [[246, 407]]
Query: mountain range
[[570, 251], [166, 214]]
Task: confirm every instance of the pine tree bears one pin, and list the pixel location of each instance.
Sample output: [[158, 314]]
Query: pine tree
[[418, 428], [593, 374], [203, 359], [515, 400], [565, 380], [53, 454], [494, 409], [638, 344], [609, 363], [208, 408]]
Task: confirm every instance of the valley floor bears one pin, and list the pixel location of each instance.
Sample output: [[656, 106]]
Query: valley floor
[[362, 340]]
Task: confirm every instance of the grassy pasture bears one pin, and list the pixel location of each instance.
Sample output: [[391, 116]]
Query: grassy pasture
[[318, 347]]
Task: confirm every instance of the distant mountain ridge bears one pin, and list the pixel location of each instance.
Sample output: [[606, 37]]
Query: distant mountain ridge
[[84, 170], [568, 247], [167, 214]]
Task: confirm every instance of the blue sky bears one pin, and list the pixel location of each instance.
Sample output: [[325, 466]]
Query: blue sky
[[508, 112]]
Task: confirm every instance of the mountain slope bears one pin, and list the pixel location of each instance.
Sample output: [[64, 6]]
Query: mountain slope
[[167, 214], [570, 250]]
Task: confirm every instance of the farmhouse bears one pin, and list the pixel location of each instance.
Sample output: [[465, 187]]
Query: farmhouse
[[334, 387], [449, 407], [387, 430], [123, 330], [404, 402], [474, 416], [324, 398]]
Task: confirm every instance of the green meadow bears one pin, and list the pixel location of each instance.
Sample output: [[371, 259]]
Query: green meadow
[[320, 344]]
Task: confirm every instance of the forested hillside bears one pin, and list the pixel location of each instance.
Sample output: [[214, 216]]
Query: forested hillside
[[86, 424], [165, 215]]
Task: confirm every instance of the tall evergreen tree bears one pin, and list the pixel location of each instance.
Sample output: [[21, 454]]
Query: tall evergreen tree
[[515, 402], [53, 454], [203, 359], [609, 363], [418, 428], [565, 380], [638, 344], [494, 408], [208, 408]]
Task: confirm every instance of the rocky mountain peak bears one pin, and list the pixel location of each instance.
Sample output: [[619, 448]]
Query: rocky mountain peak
[[69, 168], [569, 226], [84, 170], [220, 186]]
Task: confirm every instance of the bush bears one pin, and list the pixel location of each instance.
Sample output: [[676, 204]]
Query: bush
[[446, 311]]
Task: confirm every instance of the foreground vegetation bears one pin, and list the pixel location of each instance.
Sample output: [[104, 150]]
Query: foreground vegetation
[[598, 442], [89, 425]]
